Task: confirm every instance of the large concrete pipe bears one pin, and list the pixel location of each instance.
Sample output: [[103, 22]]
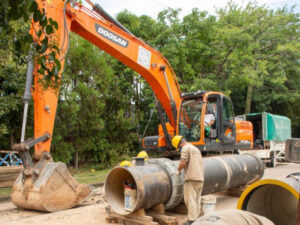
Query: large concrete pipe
[[156, 181], [277, 200]]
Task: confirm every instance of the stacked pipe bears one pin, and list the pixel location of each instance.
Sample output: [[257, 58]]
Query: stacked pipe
[[276, 200], [156, 181]]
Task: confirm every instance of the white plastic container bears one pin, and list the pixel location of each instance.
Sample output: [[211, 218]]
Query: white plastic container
[[129, 199], [208, 204]]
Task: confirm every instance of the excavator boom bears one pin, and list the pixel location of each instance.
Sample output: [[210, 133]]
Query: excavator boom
[[49, 186], [120, 44]]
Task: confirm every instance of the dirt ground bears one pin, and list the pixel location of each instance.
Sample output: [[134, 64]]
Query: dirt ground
[[92, 212]]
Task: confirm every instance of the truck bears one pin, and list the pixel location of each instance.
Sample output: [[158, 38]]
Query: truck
[[270, 133]]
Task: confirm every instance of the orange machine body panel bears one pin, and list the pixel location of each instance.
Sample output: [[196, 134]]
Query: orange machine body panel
[[45, 100], [244, 132], [170, 130]]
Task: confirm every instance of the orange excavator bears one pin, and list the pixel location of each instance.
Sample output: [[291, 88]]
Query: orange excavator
[[205, 119]]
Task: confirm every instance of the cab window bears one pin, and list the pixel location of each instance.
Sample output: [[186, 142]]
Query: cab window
[[190, 119], [211, 120], [228, 121]]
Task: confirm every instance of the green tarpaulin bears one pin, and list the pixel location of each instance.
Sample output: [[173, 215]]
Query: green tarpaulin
[[275, 127]]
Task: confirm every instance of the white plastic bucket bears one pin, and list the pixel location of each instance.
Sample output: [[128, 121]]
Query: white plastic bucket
[[208, 204], [129, 199]]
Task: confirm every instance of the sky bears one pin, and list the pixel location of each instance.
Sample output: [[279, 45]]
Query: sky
[[152, 7]]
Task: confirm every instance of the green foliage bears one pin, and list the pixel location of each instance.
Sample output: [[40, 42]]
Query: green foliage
[[239, 48], [25, 12], [91, 117], [104, 106], [12, 80], [138, 91]]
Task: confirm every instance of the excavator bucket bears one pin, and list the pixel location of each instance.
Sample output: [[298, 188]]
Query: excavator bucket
[[48, 186]]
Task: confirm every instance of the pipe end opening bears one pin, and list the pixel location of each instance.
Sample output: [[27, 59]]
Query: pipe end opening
[[273, 202], [114, 189]]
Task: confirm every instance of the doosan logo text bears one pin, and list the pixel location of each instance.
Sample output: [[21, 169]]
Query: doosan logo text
[[111, 36]]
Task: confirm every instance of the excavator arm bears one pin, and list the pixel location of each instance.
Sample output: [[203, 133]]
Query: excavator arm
[[101, 30], [49, 186]]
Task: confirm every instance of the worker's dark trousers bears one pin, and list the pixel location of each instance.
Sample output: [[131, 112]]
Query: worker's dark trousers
[[192, 198]]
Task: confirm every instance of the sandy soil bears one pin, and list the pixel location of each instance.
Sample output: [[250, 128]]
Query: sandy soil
[[92, 212], [281, 170], [88, 212]]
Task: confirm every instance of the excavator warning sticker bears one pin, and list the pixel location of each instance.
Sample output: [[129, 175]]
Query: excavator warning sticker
[[144, 57], [111, 36]]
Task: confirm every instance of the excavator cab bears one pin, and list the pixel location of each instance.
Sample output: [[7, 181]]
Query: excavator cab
[[206, 119]]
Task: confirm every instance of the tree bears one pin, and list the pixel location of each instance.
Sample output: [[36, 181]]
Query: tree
[[27, 12], [12, 81], [138, 91], [269, 33], [250, 53], [91, 118]]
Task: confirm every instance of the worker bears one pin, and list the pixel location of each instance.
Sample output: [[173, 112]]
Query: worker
[[233, 217], [210, 120], [209, 117], [143, 154], [191, 162], [125, 163]]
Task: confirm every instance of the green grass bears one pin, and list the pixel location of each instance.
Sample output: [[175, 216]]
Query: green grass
[[89, 177], [5, 192]]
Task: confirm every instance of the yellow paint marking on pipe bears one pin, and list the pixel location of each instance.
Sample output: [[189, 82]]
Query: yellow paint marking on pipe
[[266, 182]]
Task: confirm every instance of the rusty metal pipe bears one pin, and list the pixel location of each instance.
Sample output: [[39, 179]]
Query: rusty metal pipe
[[157, 181], [152, 183], [277, 200]]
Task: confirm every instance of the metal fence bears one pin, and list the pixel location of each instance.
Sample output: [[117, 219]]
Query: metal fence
[[9, 158]]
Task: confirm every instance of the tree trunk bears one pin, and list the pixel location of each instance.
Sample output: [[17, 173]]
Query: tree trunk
[[12, 140], [249, 99], [76, 160]]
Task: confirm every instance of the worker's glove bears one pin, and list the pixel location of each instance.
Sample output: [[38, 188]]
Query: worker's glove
[[178, 173]]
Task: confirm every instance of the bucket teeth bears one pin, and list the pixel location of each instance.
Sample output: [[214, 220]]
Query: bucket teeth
[[50, 188]]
